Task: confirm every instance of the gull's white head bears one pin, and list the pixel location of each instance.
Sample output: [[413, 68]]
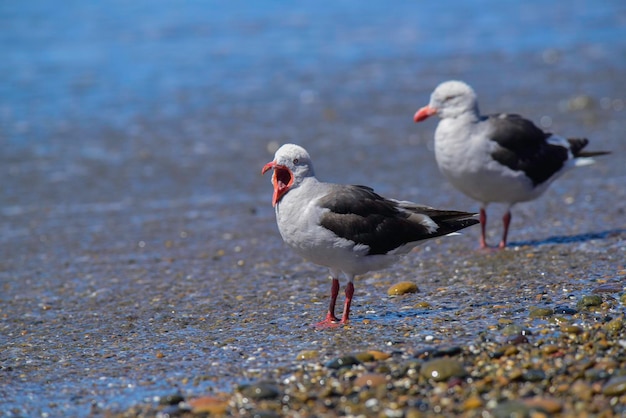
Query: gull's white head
[[291, 165], [449, 100]]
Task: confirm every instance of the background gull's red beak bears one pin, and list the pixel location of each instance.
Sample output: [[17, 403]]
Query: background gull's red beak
[[424, 113]]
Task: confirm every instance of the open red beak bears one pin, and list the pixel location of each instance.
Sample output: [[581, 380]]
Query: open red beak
[[282, 179], [424, 113], [268, 167]]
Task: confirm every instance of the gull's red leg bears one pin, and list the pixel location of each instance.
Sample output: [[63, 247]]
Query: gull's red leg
[[483, 226], [506, 221], [331, 319], [346, 307]]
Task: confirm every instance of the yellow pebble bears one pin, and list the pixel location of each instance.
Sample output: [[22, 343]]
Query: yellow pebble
[[402, 288]]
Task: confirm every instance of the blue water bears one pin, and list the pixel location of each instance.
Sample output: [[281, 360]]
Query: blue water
[[108, 62], [148, 108]]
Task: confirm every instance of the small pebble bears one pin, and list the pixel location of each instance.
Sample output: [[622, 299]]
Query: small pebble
[[616, 386], [447, 351], [537, 312], [261, 390], [173, 399], [370, 380], [589, 300], [510, 350], [533, 375], [208, 404], [442, 369], [171, 411], [508, 409], [572, 329], [371, 355], [307, 355], [341, 362], [473, 402], [512, 329], [549, 349], [517, 339], [609, 288], [402, 288], [549, 405], [414, 413], [565, 310], [379, 355], [614, 326], [364, 357], [264, 414], [581, 390], [593, 375]]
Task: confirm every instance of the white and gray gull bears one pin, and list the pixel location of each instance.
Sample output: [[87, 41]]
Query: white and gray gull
[[501, 158], [348, 229]]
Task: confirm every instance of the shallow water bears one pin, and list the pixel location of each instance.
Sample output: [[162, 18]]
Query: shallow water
[[139, 254]]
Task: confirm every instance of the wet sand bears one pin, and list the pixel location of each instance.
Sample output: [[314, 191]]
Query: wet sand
[[140, 258]]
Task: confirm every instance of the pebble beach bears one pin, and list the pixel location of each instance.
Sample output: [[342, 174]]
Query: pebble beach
[[141, 270]]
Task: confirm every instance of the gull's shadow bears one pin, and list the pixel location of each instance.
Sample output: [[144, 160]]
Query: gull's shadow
[[569, 239]]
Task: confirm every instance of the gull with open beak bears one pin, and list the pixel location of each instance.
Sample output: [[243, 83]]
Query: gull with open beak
[[348, 229]]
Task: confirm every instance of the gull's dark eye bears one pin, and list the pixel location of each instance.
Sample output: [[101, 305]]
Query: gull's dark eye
[[296, 161]]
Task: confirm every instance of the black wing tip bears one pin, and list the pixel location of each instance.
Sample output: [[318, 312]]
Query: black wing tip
[[450, 226], [449, 221], [463, 223], [471, 222], [592, 153], [577, 145], [449, 215]]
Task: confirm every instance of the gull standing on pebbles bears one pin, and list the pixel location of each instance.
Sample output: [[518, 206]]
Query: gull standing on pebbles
[[348, 229], [500, 158]]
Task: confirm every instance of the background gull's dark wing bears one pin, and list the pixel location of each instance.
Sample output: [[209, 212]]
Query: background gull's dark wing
[[524, 147]]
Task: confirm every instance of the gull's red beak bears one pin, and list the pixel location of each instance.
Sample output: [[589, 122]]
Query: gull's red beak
[[424, 113], [268, 167], [282, 180]]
